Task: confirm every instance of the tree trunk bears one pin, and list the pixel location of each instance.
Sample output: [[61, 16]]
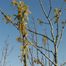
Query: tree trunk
[[55, 55], [25, 63]]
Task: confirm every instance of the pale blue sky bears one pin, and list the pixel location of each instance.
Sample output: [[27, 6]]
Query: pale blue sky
[[7, 29]]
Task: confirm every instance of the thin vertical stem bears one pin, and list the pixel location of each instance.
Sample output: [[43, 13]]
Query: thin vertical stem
[[50, 8], [25, 62], [48, 54], [35, 34], [55, 55]]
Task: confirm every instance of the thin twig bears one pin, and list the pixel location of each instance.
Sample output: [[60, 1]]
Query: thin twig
[[60, 36], [35, 34], [50, 8], [63, 64], [46, 49], [44, 54], [40, 35], [31, 53], [51, 26]]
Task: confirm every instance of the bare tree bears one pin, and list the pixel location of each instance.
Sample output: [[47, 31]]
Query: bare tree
[[5, 54], [35, 45]]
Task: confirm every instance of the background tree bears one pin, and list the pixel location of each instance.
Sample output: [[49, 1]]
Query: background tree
[[6, 51]]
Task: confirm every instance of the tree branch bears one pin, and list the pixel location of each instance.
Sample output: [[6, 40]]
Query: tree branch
[[51, 26], [50, 8], [46, 49], [44, 54], [40, 35]]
